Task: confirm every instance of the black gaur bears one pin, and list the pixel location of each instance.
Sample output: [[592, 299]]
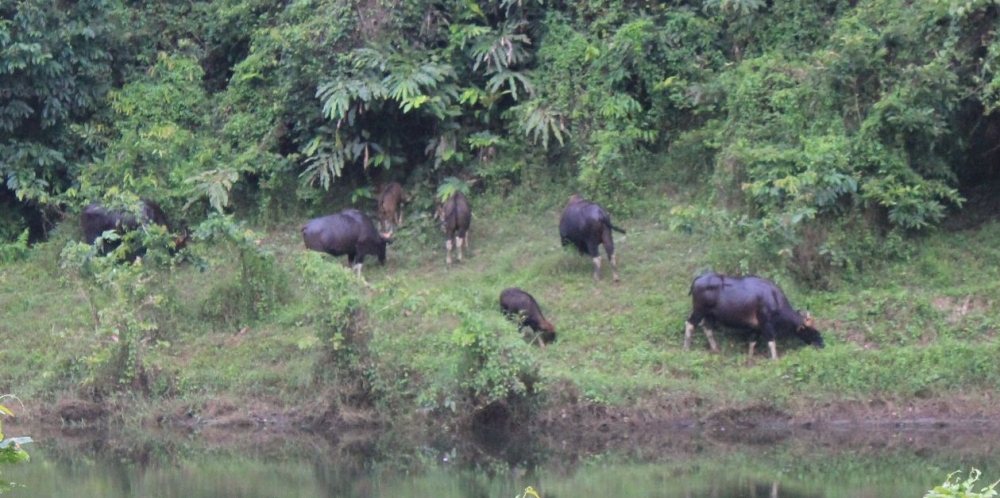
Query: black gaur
[[97, 219], [587, 225], [750, 303], [348, 232]]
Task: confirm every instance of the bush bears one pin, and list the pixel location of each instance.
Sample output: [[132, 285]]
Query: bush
[[490, 362], [126, 305], [259, 286]]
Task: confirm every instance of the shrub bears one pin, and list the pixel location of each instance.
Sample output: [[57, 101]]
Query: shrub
[[125, 302], [259, 285]]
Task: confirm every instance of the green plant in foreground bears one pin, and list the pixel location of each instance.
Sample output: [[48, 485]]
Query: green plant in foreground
[[529, 491], [962, 489], [10, 449]]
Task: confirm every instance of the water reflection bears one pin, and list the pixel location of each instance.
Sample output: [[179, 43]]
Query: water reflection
[[674, 465], [756, 489]]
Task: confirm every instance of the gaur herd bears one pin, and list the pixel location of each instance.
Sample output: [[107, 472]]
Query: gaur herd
[[754, 305]]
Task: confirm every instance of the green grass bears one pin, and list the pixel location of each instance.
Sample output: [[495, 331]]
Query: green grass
[[900, 329]]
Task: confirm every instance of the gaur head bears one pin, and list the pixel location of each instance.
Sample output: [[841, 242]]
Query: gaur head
[[807, 331], [548, 332]]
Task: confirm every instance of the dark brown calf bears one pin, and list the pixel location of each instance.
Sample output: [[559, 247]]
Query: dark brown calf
[[516, 302], [456, 215], [390, 206]]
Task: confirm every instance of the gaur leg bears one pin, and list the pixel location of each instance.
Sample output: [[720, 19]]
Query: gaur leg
[[595, 255], [692, 322], [688, 328], [767, 330], [609, 247], [458, 244], [356, 261], [447, 245], [707, 327], [538, 338]]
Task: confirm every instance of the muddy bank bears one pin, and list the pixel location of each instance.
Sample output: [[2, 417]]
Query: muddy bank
[[572, 430]]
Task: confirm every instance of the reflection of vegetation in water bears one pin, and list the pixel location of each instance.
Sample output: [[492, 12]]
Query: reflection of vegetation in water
[[887, 464]]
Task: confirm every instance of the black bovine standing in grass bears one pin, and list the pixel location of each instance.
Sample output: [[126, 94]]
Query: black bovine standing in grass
[[587, 225], [348, 232], [456, 215], [97, 219], [750, 303], [515, 302]]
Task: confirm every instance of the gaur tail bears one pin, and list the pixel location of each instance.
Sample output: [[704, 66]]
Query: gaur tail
[[608, 223]]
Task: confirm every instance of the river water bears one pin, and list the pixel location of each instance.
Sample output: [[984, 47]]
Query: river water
[[830, 464]]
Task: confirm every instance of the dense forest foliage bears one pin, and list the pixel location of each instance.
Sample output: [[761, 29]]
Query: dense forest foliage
[[827, 132]]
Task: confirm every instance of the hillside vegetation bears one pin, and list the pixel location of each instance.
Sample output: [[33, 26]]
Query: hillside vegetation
[[260, 319], [844, 148]]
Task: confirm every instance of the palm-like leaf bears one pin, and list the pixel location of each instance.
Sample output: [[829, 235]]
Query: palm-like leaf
[[499, 50], [323, 167], [540, 122], [214, 184], [510, 80]]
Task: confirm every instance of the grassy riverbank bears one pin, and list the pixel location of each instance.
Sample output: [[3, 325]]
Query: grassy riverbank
[[417, 338]]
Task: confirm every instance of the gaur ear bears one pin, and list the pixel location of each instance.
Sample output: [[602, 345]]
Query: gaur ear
[[387, 237], [807, 319]]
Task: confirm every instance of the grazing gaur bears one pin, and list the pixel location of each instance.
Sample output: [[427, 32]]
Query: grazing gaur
[[587, 225], [750, 303], [515, 302], [456, 215], [390, 206], [348, 232], [97, 219]]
